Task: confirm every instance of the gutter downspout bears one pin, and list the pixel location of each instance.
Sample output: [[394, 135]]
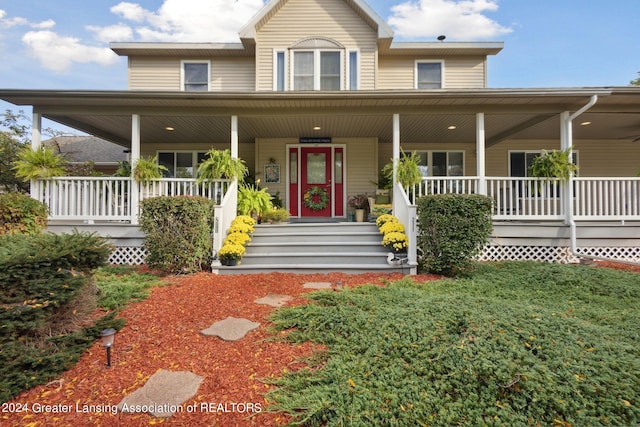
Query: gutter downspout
[[568, 132]]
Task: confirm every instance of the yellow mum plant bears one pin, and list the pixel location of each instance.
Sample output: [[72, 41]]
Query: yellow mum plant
[[238, 239], [392, 227], [231, 251], [240, 227], [383, 219], [245, 219], [395, 241]]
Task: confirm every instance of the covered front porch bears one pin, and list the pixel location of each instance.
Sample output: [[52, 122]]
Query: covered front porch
[[363, 130]]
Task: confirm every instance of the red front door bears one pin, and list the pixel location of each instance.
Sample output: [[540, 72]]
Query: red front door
[[315, 181]]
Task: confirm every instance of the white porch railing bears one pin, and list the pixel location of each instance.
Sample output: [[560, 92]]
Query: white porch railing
[[109, 198], [602, 199], [606, 199]]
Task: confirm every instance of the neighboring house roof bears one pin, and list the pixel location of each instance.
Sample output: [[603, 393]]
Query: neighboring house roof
[[81, 149]]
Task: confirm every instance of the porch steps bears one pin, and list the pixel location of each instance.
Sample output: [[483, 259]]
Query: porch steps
[[315, 248]]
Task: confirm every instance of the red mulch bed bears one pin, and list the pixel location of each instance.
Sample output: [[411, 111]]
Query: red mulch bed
[[633, 268], [163, 332]]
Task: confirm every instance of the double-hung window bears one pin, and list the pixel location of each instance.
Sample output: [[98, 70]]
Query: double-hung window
[[317, 70], [180, 164], [441, 163], [195, 76], [428, 75]]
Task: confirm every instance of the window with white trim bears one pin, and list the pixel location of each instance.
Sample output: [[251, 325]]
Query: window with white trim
[[180, 164], [195, 76], [441, 163], [317, 69], [353, 70], [279, 73], [521, 161], [428, 75]]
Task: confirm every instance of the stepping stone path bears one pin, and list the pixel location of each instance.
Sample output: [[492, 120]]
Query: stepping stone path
[[317, 285], [231, 328], [274, 300], [163, 394]]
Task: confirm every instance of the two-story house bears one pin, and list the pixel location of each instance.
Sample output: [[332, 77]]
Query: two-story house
[[317, 94]]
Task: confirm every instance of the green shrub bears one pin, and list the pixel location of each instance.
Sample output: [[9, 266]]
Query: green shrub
[[20, 214], [454, 228], [45, 280], [177, 232]]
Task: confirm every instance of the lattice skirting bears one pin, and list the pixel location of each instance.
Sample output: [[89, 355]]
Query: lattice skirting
[[135, 255], [557, 254], [128, 255]]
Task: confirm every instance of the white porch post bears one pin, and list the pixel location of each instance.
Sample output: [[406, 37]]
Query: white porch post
[[480, 154], [234, 137], [36, 142], [395, 157], [135, 156], [566, 141]]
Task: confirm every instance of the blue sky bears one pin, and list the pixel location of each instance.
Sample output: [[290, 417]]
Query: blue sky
[[63, 44]]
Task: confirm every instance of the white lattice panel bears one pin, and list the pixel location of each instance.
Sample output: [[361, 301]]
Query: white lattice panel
[[522, 253], [623, 253], [128, 255]]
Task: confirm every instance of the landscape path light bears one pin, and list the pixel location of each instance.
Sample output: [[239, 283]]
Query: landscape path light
[[108, 336]]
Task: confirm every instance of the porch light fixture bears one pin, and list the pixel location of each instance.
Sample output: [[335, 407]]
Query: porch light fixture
[[317, 128], [108, 336], [585, 123], [169, 129], [452, 127]]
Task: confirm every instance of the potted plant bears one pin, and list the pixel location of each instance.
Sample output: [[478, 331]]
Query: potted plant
[[231, 253], [395, 241], [253, 201], [359, 202], [39, 163], [146, 169], [553, 164], [407, 170], [275, 215], [219, 164]]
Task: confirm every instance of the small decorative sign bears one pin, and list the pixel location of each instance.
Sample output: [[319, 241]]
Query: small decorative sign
[[315, 140], [272, 173]]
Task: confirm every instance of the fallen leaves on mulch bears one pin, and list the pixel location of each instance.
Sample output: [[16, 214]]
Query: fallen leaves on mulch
[[634, 268], [163, 332]]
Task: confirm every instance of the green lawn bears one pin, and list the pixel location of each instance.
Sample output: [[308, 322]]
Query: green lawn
[[513, 344]]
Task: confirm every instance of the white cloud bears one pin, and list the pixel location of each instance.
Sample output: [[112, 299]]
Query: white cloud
[[58, 53], [190, 20], [458, 20], [112, 33], [45, 25]]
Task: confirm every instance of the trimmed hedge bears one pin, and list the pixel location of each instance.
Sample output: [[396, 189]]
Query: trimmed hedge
[[177, 232], [454, 228], [20, 214]]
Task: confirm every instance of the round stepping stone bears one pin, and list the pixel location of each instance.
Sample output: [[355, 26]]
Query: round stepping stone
[[274, 300], [317, 285], [163, 394], [231, 328]]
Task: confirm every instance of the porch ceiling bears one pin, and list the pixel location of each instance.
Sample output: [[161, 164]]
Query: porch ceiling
[[424, 116]]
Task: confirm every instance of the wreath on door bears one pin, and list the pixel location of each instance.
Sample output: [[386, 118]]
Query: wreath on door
[[316, 198]]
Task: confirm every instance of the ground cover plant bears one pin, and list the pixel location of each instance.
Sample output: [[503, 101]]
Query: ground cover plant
[[513, 344]]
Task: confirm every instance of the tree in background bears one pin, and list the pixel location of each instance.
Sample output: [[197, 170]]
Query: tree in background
[[636, 82], [13, 137]]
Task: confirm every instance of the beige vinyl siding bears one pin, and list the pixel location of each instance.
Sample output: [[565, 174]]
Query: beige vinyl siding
[[399, 72], [151, 73], [596, 158], [227, 74], [233, 74], [297, 21]]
